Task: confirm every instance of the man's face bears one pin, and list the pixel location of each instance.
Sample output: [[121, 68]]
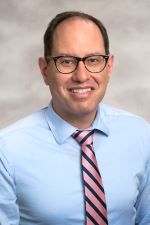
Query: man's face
[[75, 96]]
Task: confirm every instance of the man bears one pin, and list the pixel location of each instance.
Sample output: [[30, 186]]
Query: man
[[52, 171]]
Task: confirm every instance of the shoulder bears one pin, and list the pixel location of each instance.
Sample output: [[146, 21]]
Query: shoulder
[[113, 114], [121, 121], [24, 136], [32, 121], [127, 129], [112, 111]]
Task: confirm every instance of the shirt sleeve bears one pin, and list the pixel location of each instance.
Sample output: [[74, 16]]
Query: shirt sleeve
[[9, 211], [143, 202]]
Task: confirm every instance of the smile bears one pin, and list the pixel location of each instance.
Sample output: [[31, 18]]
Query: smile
[[81, 90]]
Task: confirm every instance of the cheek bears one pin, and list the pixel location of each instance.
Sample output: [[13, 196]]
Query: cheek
[[53, 78], [57, 84], [101, 80]]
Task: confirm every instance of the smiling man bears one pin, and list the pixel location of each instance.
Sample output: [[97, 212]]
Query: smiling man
[[77, 86], [77, 161]]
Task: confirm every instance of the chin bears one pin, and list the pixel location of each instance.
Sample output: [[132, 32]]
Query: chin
[[86, 110]]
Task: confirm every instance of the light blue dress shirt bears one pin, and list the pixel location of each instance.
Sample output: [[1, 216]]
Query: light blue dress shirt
[[40, 177]]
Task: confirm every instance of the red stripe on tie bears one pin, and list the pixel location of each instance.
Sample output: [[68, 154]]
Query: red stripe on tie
[[92, 212], [89, 222], [95, 201], [94, 185], [91, 169]]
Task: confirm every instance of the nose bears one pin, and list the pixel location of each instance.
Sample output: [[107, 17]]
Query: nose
[[81, 74]]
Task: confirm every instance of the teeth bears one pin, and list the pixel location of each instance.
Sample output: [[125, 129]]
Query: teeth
[[81, 90]]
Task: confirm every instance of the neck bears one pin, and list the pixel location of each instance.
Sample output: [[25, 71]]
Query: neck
[[83, 121]]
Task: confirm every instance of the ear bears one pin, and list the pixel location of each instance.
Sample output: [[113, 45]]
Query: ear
[[43, 68], [110, 64]]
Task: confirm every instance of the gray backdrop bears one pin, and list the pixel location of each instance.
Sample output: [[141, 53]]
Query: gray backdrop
[[22, 25]]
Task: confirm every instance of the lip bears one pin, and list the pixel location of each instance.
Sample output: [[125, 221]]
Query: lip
[[74, 89], [81, 92]]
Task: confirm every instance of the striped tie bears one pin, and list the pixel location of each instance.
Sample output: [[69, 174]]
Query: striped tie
[[95, 202]]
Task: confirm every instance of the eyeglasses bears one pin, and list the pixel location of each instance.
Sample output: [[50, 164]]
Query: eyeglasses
[[68, 64]]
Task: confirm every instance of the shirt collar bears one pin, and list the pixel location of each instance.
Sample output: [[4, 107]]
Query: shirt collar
[[101, 122], [63, 130]]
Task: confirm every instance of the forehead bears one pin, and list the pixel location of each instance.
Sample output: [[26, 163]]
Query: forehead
[[77, 32], [75, 23]]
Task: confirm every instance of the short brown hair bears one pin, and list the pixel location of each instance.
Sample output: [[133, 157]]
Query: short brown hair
[[48, 36]]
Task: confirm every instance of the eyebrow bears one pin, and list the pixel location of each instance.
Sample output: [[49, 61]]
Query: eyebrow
[[90, 54]]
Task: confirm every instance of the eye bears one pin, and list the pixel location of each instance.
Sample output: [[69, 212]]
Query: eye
[[67, 61], [94, 60]]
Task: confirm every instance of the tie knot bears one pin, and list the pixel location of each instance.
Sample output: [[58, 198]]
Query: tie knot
[[84, 137]]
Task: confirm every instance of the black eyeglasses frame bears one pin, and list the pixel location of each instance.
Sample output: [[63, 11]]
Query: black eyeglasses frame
[[55, 58]]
